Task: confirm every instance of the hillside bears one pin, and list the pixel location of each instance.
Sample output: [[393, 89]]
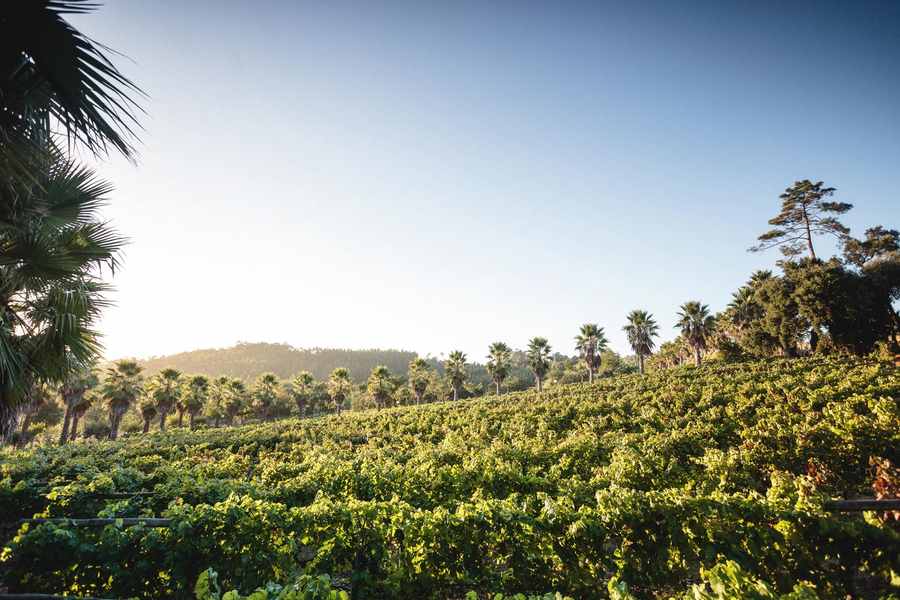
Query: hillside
[[247, 360], [644, 485]]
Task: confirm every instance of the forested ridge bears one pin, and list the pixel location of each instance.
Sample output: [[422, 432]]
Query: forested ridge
[[247, 360]]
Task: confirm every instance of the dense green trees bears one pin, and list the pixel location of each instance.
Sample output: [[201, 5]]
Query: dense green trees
[[539, 359], [247, 360], [590, 343], [641, 329]]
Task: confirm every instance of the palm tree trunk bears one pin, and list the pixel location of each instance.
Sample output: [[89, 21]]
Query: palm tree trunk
[[26, 422], [590, 375], [641, 364], [114, 424], [540, 386], [162, 419], [455, 394], [67, 421], [9, 419], [697, 356], [147, 425], [498, 386], [74, 434], [192, 417], [813, 340], [181, 417]]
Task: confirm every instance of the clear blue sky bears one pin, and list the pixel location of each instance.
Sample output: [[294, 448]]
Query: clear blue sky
[[398, 174]]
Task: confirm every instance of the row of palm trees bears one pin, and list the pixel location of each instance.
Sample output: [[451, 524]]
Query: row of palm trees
[[694, 320], [227, 398]]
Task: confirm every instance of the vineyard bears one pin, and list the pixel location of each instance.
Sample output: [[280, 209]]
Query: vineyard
[[702, 483]]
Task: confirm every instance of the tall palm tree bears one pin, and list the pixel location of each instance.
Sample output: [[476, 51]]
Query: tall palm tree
[[538, 354], [265, 393], [339, 387], [303, 386], [418, 377], [165, 388], [72, 391], [54, 78], [590, 343], [380, 386], [121, 388], [196, 395], [696, 324], [498, 364], [455, 369], [641, 329], [53, 245]]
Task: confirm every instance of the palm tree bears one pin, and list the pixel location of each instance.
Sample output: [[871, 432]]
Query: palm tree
[[196, 396], [696, 326], [743, 308], [499, 357], [265, 393], [237, 399], [52, 77], [539, 359], [53, 245], [418, 377], [302, 388], [53, 80], [72, 391], [149, 409], [218, 397], [641, 330], [455, 368], [590, 343], [81, 407], [165, 388], [339, 387], [121, 389], [380, 386]]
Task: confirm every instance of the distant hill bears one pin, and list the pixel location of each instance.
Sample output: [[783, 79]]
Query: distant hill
[[247, 360]]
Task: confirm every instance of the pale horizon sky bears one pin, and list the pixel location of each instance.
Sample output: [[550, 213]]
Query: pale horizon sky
[[404, 175]]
